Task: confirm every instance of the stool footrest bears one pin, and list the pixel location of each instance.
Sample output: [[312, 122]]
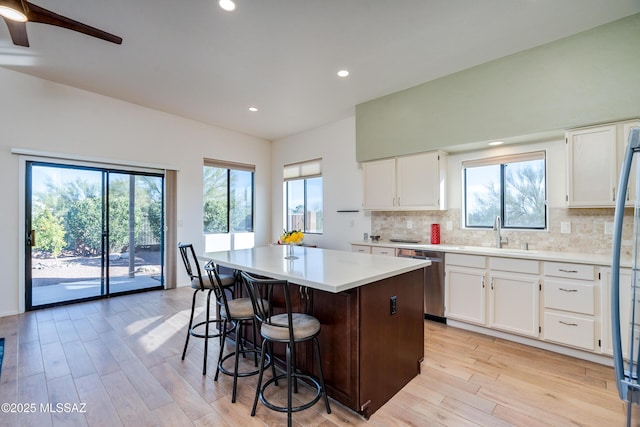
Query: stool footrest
[[212, 334], [313, 380], [225, 371]]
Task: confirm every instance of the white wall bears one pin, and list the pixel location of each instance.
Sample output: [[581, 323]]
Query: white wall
[[40, 115], [342, 181]]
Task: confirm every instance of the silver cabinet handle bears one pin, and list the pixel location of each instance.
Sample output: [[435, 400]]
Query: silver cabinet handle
[[492, 283], [568, 290], [567, 323], [568, 271]]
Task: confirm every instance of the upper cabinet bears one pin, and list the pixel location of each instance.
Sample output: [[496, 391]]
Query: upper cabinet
[[415, 182], [594, 156], [380, 184]]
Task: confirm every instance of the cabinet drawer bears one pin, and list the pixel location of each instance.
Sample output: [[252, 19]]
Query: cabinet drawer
[[569, 296], [514, 264], [379, 250], [361, 248], [572, 271], [463, 260], [575, 331]]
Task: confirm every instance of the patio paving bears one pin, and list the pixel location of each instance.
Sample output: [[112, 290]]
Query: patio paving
[[86, 288]]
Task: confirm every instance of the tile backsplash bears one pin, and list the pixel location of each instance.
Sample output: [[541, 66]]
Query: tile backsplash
[[587, 228]]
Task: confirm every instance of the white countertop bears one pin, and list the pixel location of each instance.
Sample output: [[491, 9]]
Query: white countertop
[[325, 269], [576, 257]]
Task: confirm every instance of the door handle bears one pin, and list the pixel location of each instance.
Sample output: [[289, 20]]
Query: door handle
[[31, 238]]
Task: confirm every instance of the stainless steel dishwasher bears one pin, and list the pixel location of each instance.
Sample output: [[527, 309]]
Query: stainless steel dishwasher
[[433, 282]]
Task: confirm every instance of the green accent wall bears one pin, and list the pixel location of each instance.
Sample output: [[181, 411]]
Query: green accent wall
[[589, 78]]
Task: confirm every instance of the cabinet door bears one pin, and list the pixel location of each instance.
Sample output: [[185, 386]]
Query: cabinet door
[[625, 310], [514, 303], [631, 186], [339, 318], [591, 167], [465, 294], [379, 184], [419, 181]]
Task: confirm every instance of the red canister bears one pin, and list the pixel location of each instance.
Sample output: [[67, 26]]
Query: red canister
[[435, 234]]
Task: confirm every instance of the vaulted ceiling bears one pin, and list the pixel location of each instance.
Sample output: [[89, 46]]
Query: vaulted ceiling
[[195, 60]]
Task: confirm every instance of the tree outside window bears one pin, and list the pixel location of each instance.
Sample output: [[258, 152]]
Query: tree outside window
[[227, 200], [513, 187]]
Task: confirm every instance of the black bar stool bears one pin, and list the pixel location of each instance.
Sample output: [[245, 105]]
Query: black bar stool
[[237, 311], [288, 328], [200, 284]]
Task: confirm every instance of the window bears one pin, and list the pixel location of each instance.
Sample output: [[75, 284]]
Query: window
[[227, 195], [303, 197], [513, 187]]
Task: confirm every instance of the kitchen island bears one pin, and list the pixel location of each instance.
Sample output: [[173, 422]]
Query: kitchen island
[[370, 308]]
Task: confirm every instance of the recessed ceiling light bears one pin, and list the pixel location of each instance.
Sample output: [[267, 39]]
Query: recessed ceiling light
[[253, 109], [343, 73], [496, 143], [227, 5]]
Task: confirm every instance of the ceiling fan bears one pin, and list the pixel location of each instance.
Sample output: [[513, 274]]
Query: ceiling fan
[[16, 13]]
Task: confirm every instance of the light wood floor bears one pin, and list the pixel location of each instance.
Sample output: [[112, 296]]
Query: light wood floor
[[121, 357]]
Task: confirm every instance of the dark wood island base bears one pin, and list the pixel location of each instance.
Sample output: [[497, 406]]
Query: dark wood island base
[[368, 353]]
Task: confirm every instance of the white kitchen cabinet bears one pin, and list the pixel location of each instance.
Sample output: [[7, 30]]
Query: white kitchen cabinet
[[380, 184], [622, 145], [383, 250], [594, 157], [365, 249], [514, 300], [415, 182], [465, 296], [421, 181], [591, 166], [625, 310], [570, 308]]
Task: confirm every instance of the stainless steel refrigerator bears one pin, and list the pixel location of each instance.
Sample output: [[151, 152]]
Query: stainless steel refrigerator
[[625, 297]]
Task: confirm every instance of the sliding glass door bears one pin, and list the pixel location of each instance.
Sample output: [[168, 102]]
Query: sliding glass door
[[91, 232]]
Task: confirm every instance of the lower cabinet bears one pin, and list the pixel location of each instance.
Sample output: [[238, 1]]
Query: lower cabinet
[[514, 303], [487, 292], [625, 310], [570, 292], [514, 295], [465, 296], [565, 328], [365, 249]]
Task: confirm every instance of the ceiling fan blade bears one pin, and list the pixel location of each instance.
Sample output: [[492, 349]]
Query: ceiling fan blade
[[39, 14], [18, 31]]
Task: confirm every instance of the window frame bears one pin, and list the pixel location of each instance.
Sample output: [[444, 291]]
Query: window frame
[[229, 166], [302, 171], [502, 162]]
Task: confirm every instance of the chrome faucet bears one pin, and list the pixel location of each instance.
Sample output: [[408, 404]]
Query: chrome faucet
[[497, 226]]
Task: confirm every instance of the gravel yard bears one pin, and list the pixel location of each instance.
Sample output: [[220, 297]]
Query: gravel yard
[[47, 271]]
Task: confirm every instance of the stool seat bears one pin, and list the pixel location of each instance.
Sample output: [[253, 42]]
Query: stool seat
[[304, 327], [239, 308], [227, 280]]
